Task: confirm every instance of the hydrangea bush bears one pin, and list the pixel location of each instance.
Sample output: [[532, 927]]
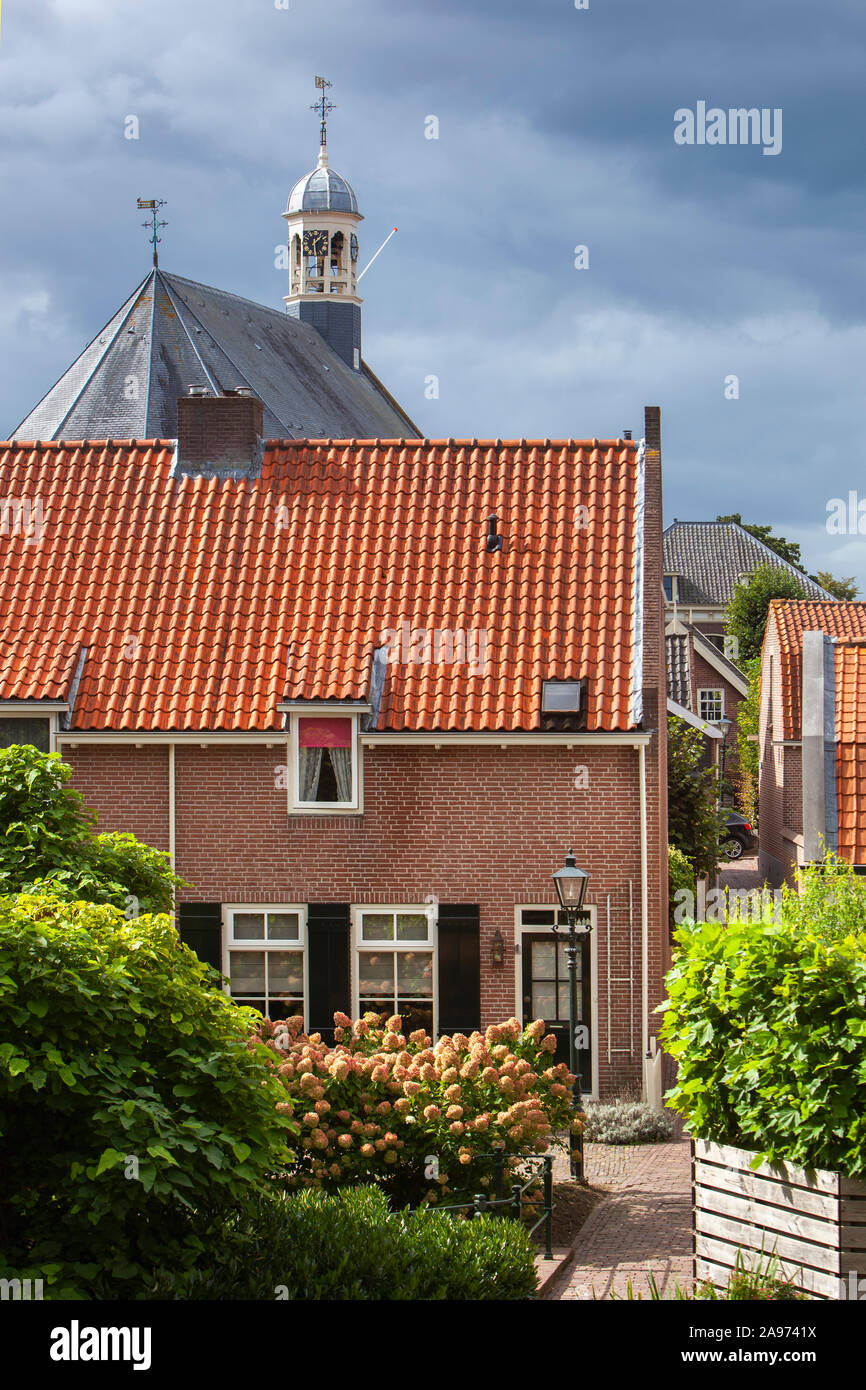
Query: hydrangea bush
[[421, 1120]]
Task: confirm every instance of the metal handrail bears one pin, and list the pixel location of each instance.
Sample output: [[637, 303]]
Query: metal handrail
[[482, 1205]]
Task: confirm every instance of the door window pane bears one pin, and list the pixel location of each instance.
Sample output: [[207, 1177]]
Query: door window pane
[[543, 958], [543, 1001], [415, 1015]]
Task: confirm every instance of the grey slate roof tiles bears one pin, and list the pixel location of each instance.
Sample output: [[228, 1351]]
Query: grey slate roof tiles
[[711, 556], [172, 333]]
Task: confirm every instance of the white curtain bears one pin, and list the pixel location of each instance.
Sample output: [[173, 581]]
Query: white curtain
[[309, 768], [341, 759]]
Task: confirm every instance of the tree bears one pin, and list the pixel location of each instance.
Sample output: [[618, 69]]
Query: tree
[[787, 550], [134, 1105], [749, 605], [748, 713], [843, 589], [693, 818], [50, 841]]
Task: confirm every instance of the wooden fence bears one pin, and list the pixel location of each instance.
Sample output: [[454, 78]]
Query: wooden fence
[[813, 1221]]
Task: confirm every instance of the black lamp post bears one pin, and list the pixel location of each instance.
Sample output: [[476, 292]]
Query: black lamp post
[[570, 883]]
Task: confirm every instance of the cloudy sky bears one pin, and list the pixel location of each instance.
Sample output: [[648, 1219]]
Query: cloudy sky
[[555, 130]]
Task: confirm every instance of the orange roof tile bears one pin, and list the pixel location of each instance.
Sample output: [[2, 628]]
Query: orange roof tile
[[792, 618], [851, 750], [203, 603]]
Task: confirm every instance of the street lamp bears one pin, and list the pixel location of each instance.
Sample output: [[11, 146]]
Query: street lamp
[[570, 883]]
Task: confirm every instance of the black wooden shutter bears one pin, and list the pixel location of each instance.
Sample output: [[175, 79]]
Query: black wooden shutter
[[459, 968], [200, 927], [328, 966]]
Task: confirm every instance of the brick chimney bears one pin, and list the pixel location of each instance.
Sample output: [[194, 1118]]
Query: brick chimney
[[220, 436]]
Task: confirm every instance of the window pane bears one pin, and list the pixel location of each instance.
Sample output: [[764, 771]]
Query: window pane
[[415, 973], [377, 926], [415, 1015], [285, 972], [247, 972], [412, 926], [284, 926], [543, 997], [376, 972], [537, 916], [563, 1000], [543, 960], [249, 926]]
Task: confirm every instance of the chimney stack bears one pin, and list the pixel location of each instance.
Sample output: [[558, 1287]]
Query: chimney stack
[[220, 436]]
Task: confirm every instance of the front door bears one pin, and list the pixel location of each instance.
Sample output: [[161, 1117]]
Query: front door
[[545, 995]]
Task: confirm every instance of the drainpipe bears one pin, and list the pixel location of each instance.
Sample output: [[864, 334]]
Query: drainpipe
[[171, 820], [644, 904]]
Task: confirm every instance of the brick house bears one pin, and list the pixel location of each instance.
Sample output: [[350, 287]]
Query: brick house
[[812, 735], [704, 561], [366, 694]]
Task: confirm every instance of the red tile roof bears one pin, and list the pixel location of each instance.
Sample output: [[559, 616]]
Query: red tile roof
[[792, 618], [203, 603], [851, 750]]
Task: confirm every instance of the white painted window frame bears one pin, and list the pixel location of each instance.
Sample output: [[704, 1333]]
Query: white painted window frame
[[713, 690], [229, 942], [358, 944], [533, 929], [355, 807]]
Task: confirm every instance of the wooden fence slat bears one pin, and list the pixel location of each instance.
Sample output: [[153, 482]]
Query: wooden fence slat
[[853, 1187], [722, 1258], [726, 1156], [767, 1190], [852, 1210], [769, 1242], [769, 1218], [853, 1237]]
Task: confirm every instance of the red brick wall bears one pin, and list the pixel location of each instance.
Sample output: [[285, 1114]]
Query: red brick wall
[[476, 825]]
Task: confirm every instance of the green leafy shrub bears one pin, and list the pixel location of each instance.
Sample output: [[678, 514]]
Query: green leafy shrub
[[694, 822], [767, 1021], [130, 1095], [761, 1282], [626, 1122], [681, 878], [50, 843], [420, 1120], [351, 1246]]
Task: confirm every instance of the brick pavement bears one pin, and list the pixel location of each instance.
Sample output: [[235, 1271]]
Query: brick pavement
[[644, 1223]]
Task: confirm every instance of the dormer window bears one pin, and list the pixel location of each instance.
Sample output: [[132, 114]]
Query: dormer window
[[325, 773], [563, 706], [670, 584]]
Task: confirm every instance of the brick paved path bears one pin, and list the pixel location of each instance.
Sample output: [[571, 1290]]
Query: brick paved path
[[646, 1221]]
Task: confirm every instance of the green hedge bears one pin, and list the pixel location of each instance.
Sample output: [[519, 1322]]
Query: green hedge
[[131, 1099], [767, 1021], [350, 1246]]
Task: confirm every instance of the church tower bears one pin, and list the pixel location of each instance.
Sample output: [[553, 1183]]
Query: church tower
[[322, 213]]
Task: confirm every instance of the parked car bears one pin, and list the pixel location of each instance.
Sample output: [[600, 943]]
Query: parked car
[[737, 837]]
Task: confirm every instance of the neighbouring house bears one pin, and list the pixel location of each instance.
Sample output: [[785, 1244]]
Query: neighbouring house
[[704, 561], [366, 693], [812, 736]]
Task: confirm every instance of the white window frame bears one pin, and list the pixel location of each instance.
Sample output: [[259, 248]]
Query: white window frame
[[713, 690], [229, 943], [675, 588], [534, 929], [358, 944], [354, 807]]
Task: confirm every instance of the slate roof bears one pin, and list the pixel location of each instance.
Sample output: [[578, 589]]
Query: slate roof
[[793, 617], [203, 603], [851, 750], [679, 681], [172, 333], [710, 557]]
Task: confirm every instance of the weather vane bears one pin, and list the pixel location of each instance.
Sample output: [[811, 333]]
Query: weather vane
[[323, 106], [152, 205]]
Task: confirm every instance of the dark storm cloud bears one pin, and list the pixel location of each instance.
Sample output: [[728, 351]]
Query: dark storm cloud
[[555, 129]]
